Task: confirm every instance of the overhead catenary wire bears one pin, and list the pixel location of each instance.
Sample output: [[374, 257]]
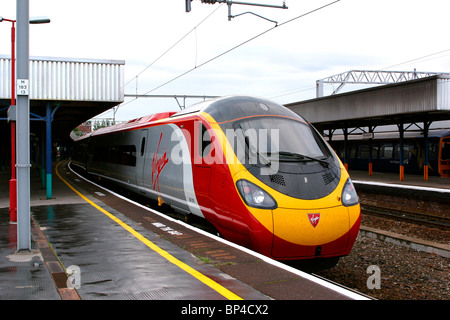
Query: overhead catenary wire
[[225, 52], [430, 56], [416, 59], [290, 92], [241, 44], [172, 46]]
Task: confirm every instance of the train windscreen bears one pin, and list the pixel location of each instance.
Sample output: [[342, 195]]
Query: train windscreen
[[283, 136]]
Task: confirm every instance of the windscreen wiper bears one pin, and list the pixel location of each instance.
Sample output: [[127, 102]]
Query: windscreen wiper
[[266, 161], [303, 157]]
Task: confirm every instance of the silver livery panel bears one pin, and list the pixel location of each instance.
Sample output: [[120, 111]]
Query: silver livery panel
[[162, 168]]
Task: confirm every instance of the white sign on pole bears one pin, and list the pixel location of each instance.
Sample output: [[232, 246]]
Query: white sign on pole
[[22, 87]]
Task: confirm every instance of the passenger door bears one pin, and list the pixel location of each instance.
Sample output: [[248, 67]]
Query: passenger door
[[202, 164]]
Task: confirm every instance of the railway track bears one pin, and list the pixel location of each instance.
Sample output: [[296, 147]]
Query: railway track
[[406, 216], [401, 273]]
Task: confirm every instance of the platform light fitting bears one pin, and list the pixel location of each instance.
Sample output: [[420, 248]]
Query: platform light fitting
[[35, 20], [188, 5], [38, 20]]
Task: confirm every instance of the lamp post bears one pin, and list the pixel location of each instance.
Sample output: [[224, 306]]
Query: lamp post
[[12, 116]]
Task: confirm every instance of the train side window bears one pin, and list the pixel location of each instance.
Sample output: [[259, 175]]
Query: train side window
[[433, 150], [364, 151], [205, 141], [353, 151], [386, 151], [407, 151], [142, 146], [341, 152], [126, 155], [374, 152], [121, 154]]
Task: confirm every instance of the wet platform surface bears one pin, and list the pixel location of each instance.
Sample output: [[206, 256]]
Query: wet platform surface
[[116, 265], [112, 263], [69, 232], [23, 276]]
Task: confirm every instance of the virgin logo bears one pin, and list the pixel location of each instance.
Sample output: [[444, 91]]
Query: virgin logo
[[314, 218], [158, 163]]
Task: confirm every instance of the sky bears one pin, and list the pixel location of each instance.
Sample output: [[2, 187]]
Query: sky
[[282, 64]]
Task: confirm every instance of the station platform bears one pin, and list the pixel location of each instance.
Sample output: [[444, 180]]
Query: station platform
[[435, 188], [411, 181], [119, 250]]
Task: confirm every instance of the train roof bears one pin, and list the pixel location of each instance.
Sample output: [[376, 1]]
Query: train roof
[[221, 109], [439, 133], [235, 107], [433, 133], [132, 124]]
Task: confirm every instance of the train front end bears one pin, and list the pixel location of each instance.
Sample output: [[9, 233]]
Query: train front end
[[299, 200]]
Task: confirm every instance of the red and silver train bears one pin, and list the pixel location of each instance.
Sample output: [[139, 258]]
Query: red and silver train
[[258, 172]]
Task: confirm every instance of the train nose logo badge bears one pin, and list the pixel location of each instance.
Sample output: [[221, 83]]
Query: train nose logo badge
[[314, 218]]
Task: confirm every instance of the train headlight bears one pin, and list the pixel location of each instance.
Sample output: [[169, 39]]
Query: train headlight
[[254, 196], [349, 196]]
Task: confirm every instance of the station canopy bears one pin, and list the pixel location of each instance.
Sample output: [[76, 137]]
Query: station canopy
[[418, 100], [76, 89]]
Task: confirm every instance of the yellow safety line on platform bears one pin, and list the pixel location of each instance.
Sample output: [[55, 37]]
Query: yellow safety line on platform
[[210, 283]]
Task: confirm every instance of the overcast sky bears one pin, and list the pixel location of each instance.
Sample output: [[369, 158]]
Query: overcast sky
[[282, 65]]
